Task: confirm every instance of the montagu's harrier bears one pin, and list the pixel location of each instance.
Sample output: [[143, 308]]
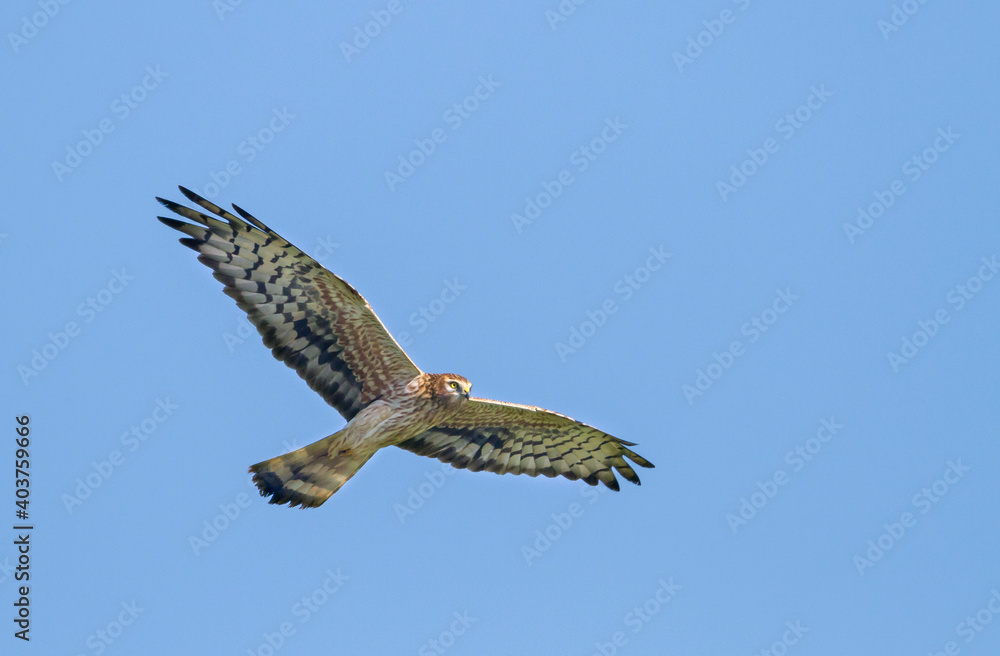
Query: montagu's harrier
[[321, 326]]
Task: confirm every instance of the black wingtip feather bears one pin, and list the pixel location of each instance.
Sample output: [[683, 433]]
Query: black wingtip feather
[[193, 243], [251, 218], [172, 206], [171, 222], [190, 195]]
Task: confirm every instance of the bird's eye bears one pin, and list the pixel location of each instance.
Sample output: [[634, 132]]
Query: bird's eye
[[453, 385]]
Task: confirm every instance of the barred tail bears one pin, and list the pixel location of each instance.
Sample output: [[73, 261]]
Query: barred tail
[[308, 476]]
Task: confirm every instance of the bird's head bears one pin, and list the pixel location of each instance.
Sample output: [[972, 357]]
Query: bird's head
[[451, 389]]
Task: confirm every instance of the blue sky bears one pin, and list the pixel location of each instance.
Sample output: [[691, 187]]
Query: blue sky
[[757, 238]]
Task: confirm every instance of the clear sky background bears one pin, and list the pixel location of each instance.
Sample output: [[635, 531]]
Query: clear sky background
[[817, 387]]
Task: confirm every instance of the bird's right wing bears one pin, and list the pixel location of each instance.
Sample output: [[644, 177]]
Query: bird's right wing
[[507, 438], [312, 320]]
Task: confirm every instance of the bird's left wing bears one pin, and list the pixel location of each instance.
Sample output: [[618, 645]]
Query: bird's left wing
[[507, 438], [311, 319]]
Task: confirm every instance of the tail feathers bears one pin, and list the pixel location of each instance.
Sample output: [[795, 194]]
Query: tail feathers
[[308, 476]]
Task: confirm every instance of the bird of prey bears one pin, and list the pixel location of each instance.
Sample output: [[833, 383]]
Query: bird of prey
[[319, 325]]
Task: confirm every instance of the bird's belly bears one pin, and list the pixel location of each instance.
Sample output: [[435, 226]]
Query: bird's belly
[[380, 425]]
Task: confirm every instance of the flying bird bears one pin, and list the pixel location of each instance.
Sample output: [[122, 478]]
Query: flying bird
[[319, 325]]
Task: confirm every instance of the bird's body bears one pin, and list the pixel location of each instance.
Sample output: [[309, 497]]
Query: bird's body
[[322, 327], [310, 475]]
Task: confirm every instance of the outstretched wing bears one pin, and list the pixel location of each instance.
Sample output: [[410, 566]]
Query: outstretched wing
[[507, 438], [311, 319]]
